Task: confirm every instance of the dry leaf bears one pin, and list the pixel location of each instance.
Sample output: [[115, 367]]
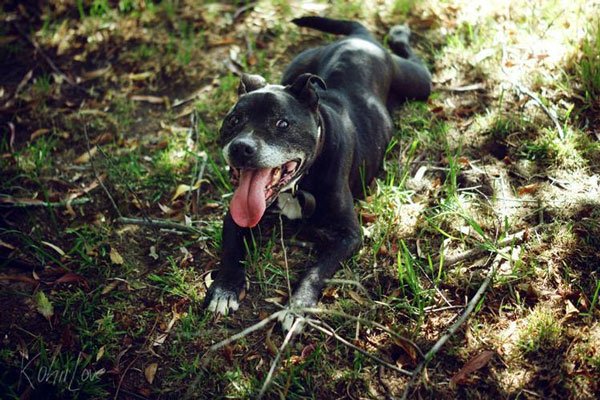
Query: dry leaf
[[528, 189], [228, 353], [103, 138], [55, 248], [271, 347], [330, 292], [475, 363], [150, 99], [356, 297], [18, 278], [7, 245], [71, 277], [85, 157], [570, 309], [408, 347], [181, 189], [110, 287], [39, 133], [95, 74], [150, 372], [100, 353], [115, 257], [23, 82]]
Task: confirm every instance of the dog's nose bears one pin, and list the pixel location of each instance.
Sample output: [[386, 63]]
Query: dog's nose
[[242, 150]]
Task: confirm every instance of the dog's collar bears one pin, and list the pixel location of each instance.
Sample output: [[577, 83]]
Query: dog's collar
[[320, 133]]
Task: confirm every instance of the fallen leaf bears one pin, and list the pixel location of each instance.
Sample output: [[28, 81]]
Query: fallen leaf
[[100, 353], [475, 363], [181, 189], [142, 76], [55, 248], [39, 133], [44, 306], [150, 99], [330, 292], [7, 245], [110, 287], [24, 81], [528, 189], [368, 218], [103, 139], [228, 353], [271, 347], [356, 297], [570, 309], [18, 278], [95, 74], [408, 348], [71, 277], [85, 157], [115, 257], [153, 252], [150, 372]]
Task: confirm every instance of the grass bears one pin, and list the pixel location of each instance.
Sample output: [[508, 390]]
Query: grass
[[464, 170]]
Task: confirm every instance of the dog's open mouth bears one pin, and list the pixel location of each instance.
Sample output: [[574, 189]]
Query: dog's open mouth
[[256, 189]]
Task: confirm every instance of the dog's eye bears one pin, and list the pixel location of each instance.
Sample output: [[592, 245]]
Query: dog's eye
[[282, 124]]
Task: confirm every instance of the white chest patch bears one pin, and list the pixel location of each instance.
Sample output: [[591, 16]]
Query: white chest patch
[[289, 206]]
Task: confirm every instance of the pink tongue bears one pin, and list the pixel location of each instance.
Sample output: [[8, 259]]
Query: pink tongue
[[249, 203]]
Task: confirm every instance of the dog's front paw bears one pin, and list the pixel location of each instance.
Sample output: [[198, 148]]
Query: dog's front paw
[[221, 301], [293, 317]]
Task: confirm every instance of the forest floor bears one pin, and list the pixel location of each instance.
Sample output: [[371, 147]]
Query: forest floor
[[110, 110]]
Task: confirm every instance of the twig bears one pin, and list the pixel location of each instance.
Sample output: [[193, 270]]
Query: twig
[[463, 317], [259, 325], [193, 134], [17, 202], [515, 238], [246, 332], [285, 260], [432, 309], [158, 223], [129, 189], [312, 310], [549, 113], [536, 99], [317, 326], [96, 174], [275, 362]]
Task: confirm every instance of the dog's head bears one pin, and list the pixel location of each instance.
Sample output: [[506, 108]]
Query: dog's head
[[269, 138]]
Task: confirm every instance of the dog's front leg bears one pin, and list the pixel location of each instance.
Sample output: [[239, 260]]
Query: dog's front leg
[[341, 239], [224, 293]]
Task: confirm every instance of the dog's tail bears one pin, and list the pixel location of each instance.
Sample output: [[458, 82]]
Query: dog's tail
[[335, 26]]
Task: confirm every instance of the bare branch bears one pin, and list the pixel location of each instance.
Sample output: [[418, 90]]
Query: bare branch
[[317, 326], [158, 223]]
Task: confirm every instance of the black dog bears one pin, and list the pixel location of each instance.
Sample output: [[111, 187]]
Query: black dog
[[320, 134]]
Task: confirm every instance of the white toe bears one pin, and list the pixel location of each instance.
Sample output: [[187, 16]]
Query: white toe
[[223, 301]]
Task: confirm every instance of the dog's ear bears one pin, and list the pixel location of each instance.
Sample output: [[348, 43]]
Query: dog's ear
[[303, 88], [250, 82]]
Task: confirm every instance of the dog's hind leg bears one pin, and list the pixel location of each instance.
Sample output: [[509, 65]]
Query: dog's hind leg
[[411, 79]]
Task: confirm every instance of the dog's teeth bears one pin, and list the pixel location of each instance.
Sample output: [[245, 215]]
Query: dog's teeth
[[276, 177]]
